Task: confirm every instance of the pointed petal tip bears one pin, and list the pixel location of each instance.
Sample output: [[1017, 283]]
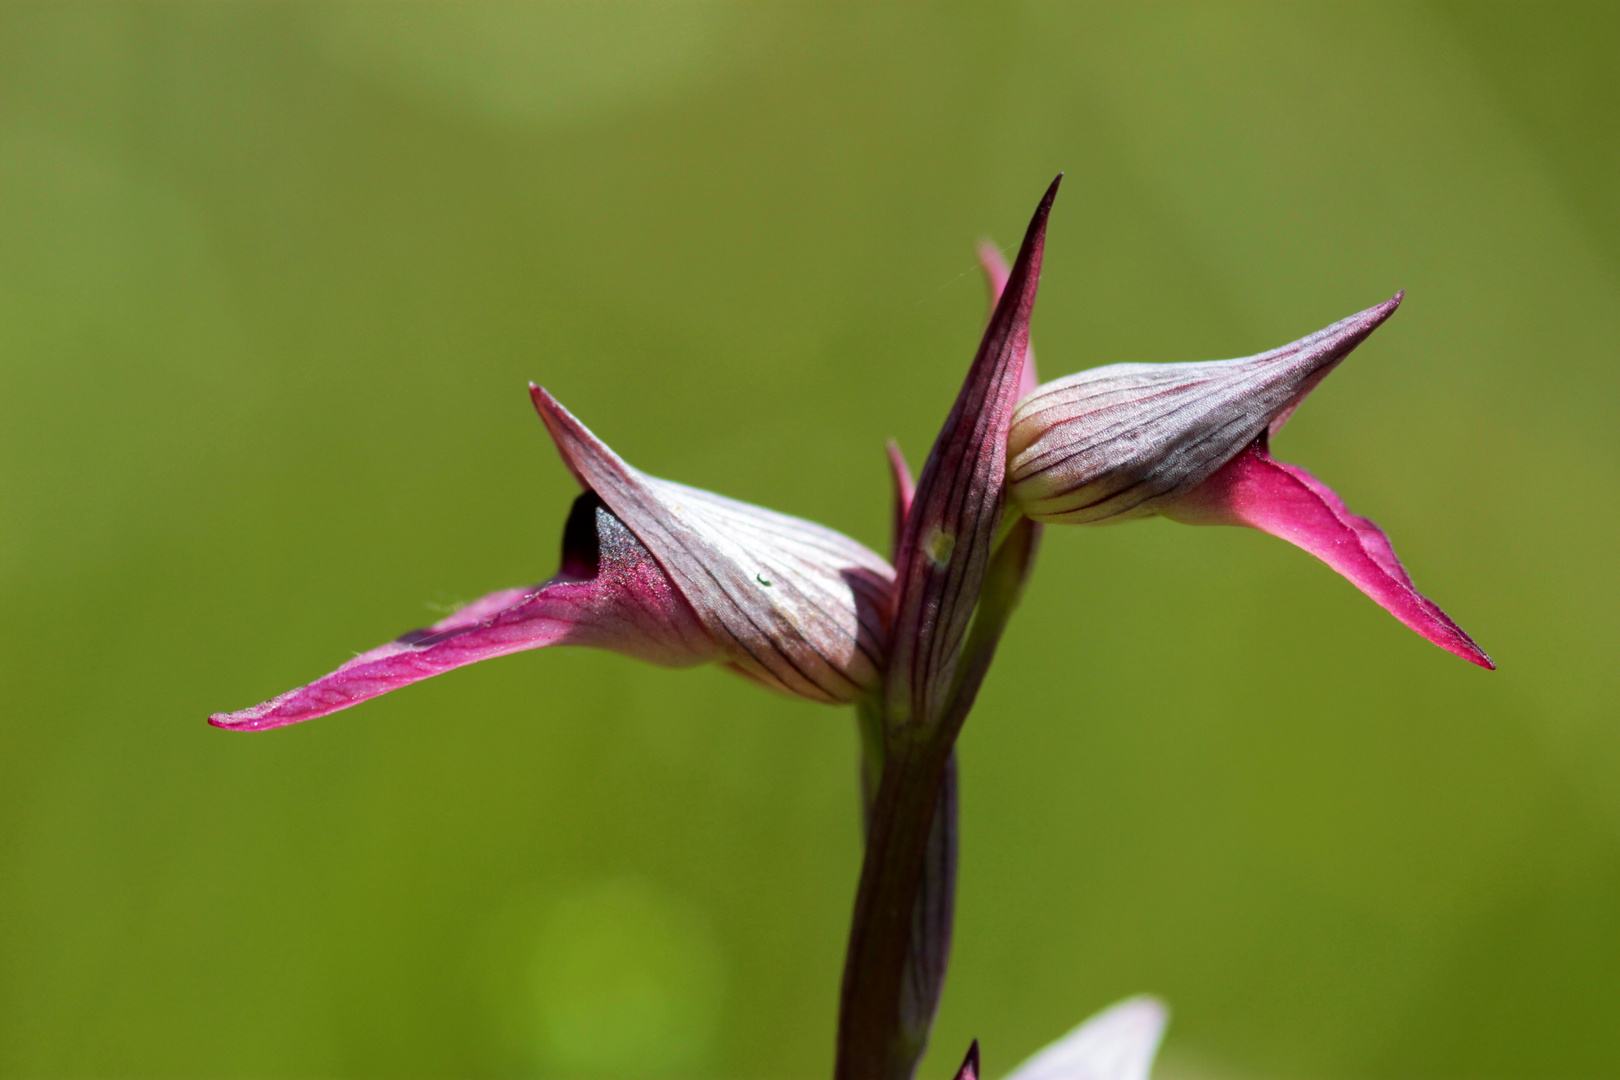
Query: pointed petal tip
[[1357, 327], [1338, 340], [265, 716], [543, 402], [1035, 233], [259, 718], [1447, 635], [1256, 490], [566, 432], [1051, 193], [990, 256], [970, 1063]]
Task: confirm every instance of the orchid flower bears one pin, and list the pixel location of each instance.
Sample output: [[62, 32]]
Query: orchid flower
[[1118, 1043], [677, 576], [658, 571], [1191, 442]]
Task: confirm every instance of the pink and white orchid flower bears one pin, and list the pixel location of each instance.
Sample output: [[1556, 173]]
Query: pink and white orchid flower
[[1191, 442], [658, 571]]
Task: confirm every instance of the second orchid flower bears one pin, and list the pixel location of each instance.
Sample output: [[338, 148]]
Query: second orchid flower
[[1191, 441]]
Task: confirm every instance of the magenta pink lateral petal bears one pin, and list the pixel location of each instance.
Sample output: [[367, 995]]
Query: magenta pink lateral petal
[[623, 603], [1256, 490], [505, 622]]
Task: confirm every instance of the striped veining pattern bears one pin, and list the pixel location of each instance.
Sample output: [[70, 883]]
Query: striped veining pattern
[[1124, 441]]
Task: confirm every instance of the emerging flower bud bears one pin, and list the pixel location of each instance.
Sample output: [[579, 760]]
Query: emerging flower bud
[[1191, 442]]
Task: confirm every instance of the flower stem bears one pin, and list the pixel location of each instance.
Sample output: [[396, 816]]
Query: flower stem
[[900, 938], [890, 989], [928, 952]]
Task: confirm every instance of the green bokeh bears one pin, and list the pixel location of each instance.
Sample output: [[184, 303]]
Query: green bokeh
[[272, 279]]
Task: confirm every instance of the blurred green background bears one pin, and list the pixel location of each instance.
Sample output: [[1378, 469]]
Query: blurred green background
[[273, 277]]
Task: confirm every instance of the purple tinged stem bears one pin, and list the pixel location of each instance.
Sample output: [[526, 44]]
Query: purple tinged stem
[[933, 915], [932, 918]]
